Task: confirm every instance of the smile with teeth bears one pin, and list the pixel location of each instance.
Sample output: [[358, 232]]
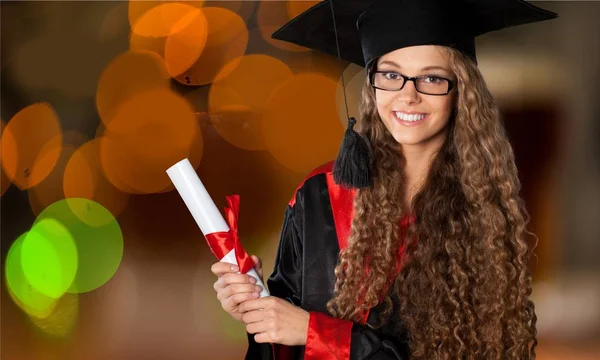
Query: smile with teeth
[[409, 117]]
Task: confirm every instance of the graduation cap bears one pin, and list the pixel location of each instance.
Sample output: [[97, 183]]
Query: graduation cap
[[360, 31]]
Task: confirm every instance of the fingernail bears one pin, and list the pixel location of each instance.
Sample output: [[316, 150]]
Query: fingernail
[[255, 294], [234, 268], [252, 280]]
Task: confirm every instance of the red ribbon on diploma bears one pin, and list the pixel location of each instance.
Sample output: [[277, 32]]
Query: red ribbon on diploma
[[223, 242]]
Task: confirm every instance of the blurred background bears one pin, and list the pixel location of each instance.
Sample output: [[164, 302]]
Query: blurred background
[[100, 257]]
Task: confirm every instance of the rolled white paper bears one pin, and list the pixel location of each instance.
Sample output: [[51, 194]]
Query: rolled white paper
[[203, 209]]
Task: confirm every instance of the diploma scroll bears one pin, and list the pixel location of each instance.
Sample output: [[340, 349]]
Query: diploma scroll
[[220, 236]]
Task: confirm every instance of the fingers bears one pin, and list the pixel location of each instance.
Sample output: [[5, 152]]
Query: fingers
[[263, 338], [257, 327], [233, 302], [231, 278], [222, 268], [253, 316], [234, 289], [262, 303]]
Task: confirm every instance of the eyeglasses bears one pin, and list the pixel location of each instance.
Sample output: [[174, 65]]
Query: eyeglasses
[[425, 84]]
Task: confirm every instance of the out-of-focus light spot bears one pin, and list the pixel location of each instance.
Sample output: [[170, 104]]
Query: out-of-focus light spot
[[4, 180], [160, 20], [49, 258], [239, 125], [176, 31], [309, 135], [244, 8], [295, 8], [83, 178], [97, 236], [137, 9], [29, 299], [298, 61], [238, 100], [186, 42], [354, 78], [227, 40], [272, 15], [250, 81], [50, 189], [62, 321], [150, 133], [126, 76], [32, 131]]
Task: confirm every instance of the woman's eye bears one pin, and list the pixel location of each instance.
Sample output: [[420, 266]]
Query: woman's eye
[[432, 79], [391, 76]]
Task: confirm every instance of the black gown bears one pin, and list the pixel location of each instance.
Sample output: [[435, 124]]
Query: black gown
[[316, 226]]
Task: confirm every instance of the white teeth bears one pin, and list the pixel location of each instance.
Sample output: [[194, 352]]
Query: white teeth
[[407, 117]]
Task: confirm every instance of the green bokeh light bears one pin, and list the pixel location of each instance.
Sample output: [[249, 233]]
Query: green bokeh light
[[49, 258], [97, 236], [24, 295]]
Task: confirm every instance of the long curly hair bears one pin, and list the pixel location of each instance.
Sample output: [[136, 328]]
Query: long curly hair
[[463, 284]]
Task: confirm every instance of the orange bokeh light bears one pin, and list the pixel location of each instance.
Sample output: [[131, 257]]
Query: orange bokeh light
[[138, 9], [227, 40], [32, 131], [50, 189], [237, 101], [186, 42], [240, 126], [126, 76], [301, 126], [272, 15], [176, 31], [4, 180], [83, 178], [243, 8], [151, 132], [160, 20], [295, 8]]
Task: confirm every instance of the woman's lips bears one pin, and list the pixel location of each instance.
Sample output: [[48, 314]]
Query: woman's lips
[[407, 122]]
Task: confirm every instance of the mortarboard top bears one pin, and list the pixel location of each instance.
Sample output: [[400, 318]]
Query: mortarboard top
[[368, 29]]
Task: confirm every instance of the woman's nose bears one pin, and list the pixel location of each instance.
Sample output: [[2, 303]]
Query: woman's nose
[[408, 94]]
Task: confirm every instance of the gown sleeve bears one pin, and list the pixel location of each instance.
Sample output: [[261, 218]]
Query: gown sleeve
[[328, 337]]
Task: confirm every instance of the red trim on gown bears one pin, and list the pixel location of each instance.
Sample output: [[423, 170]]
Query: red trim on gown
[[329, 337]]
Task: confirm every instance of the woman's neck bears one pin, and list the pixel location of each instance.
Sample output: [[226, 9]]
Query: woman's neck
[[418, 163]]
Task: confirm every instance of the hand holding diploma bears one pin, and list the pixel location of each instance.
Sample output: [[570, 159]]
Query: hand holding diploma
[[234, 288], [222, 237]]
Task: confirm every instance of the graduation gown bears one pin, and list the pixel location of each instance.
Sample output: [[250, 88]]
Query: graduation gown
[[316, 226]]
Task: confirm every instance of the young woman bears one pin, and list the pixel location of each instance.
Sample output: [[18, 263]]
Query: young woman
[[427, 257]]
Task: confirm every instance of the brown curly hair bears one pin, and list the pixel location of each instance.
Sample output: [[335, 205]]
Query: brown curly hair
[[464, 283]]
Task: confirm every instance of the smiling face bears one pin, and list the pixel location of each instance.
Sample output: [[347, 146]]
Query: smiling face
[[417, 121]]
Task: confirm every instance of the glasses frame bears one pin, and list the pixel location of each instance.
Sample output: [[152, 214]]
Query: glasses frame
[[407, 79]]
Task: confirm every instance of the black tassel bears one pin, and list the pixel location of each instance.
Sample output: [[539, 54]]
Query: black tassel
[[352, 168]]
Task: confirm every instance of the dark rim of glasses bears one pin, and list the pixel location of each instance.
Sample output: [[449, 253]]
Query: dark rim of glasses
[[414, 79]]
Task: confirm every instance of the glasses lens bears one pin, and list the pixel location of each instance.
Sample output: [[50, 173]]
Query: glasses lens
[[432, 85], [387, 80]]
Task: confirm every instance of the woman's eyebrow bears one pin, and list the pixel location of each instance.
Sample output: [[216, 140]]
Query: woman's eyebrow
[[434, 67], [431, 67]]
